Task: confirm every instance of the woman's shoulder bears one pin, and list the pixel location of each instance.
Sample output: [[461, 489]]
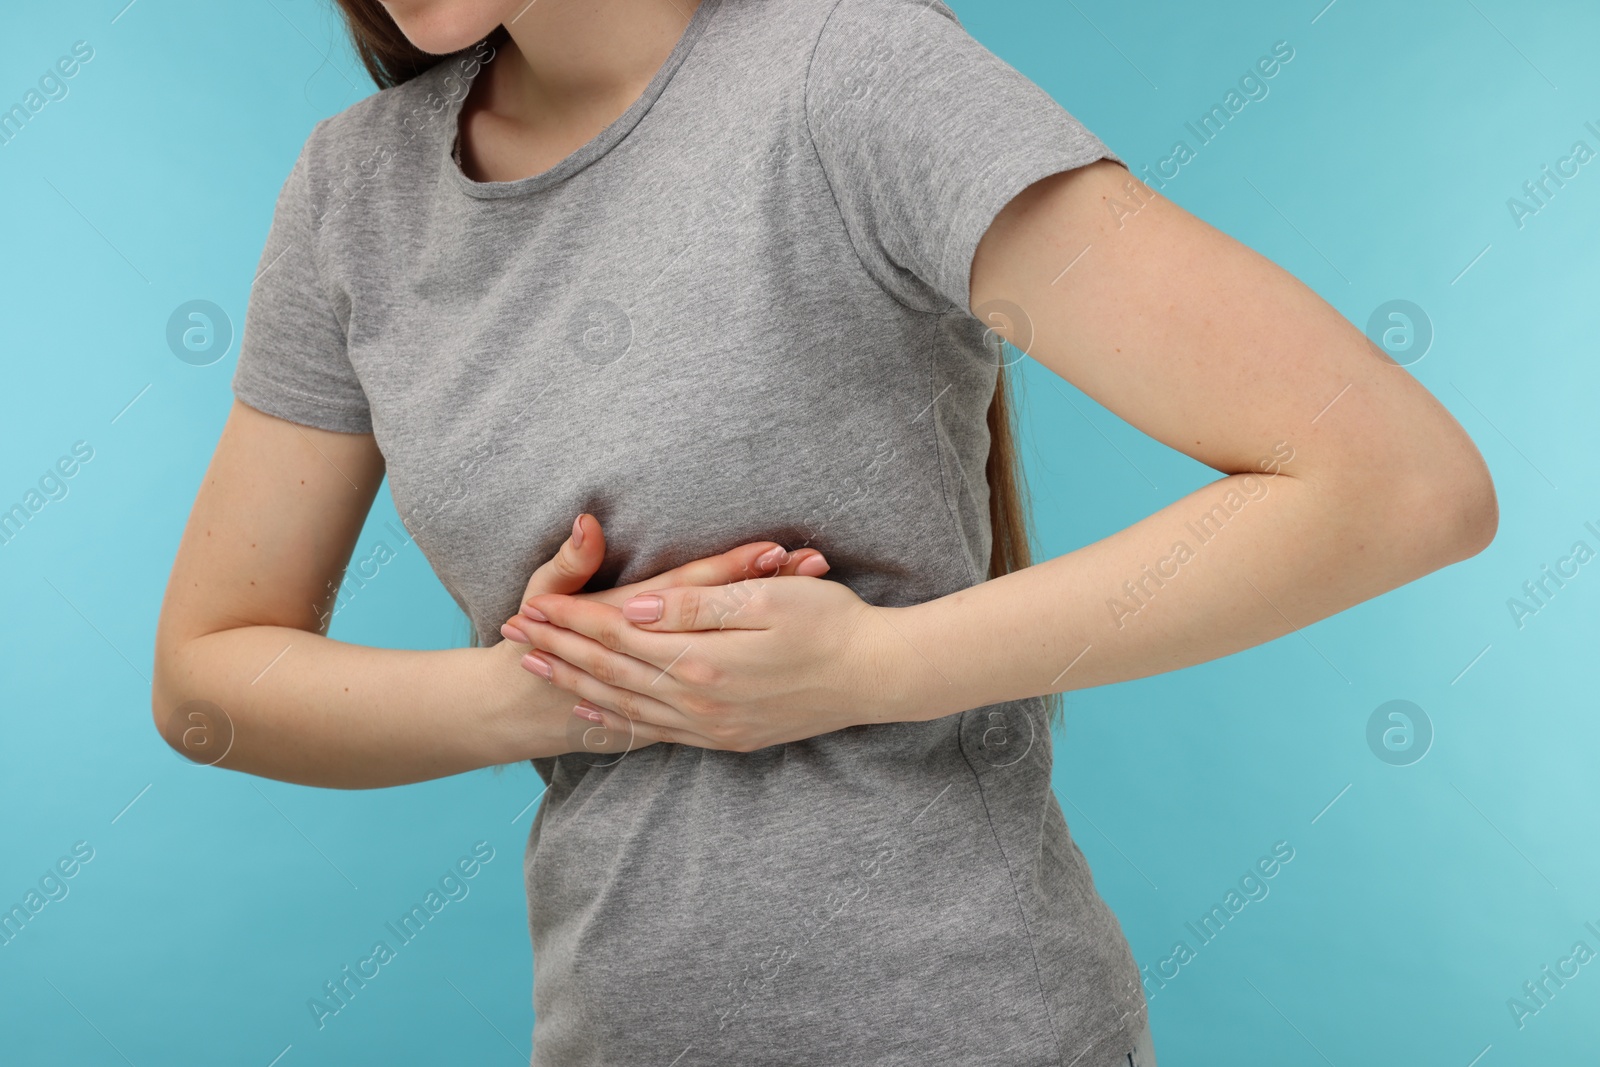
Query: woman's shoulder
[[393, 129], [410, 110]]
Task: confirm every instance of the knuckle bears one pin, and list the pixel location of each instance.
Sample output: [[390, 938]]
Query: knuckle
[[760, 596], [690, 672], [594, 667], [735, 596], [627, 704], [712, 676], [702, 710], [603, 671], [691, 711], [690, 603], [610, 634], [729, 736]]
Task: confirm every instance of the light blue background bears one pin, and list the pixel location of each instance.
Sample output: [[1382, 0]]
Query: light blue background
[[1416, 904]]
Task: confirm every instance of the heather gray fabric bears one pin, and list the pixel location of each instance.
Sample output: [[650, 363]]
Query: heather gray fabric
[[740, 312]]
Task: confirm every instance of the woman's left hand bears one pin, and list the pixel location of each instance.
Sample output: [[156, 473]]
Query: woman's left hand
[[736, 667]]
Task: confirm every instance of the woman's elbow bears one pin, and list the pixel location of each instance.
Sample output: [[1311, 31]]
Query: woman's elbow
[[1480, 518], [164, 712], [1461, 507], [184, 723]]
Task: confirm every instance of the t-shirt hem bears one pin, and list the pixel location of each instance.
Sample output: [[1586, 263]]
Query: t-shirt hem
[[286, 402], [1125, 1029]]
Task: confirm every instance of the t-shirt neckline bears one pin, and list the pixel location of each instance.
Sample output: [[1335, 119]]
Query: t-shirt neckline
[[596, 147]]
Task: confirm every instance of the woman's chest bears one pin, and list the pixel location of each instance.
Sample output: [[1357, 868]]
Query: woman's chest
[[692, 400], [697, 363]]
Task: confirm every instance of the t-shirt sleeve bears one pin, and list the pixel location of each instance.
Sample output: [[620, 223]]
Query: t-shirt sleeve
[[925, 135], [293, 361]]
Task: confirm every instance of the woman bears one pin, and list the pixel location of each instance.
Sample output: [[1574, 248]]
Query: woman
[[719, 275]]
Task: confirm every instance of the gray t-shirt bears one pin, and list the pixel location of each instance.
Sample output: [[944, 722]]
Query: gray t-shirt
[[739, 313]]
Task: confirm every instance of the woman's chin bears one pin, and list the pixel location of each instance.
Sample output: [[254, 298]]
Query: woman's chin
[[441, 27]]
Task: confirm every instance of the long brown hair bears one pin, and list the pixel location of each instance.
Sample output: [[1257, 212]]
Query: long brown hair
[[392, 59]]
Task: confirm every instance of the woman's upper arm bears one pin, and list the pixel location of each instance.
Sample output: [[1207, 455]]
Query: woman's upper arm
[[272, 527], [1214, 350]]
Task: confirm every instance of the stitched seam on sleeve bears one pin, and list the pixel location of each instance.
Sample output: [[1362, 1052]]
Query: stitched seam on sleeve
[[320, 401], [313, 228], [313, 231]]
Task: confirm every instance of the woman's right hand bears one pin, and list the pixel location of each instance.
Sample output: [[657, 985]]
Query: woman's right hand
[[580, 556]]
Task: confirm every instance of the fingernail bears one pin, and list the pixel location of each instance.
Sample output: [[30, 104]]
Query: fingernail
[[577, 532], [642, 609], [534, 613], [538, 665], [589, 713], [812, 567], [772, 558], [511, 633]]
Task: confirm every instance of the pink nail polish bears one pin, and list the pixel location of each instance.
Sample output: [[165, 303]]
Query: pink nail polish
[[642, 609], [585, 713], [511, 633], [577, 532], [538, 665], [772, 558], [534, 613]]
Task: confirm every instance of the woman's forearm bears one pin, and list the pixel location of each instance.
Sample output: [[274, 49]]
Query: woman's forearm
[[1207, 576], [303, 708]]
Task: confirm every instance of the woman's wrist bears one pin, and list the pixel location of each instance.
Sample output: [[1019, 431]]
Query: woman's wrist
[[914, 673], [528, 717], [901, 671]]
